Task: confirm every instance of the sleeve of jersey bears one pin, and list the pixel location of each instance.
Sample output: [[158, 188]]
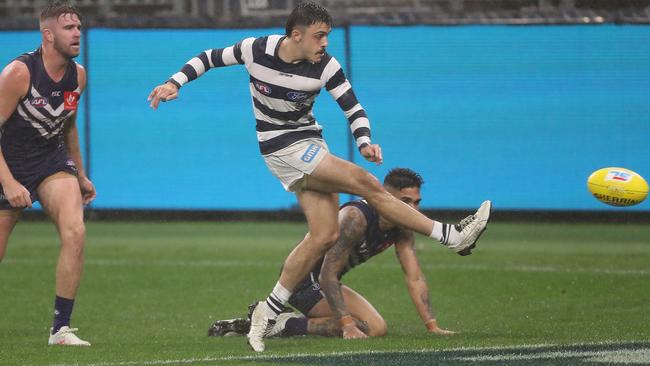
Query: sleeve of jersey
[[341, 90], [212, 58]]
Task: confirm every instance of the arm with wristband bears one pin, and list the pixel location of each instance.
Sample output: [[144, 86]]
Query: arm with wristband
[[352, 228], [416, 283]]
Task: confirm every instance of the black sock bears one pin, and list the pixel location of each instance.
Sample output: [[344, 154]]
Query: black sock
[[295, 326], [62, 313]]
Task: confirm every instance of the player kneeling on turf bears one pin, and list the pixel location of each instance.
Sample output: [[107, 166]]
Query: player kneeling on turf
[[331, 309]]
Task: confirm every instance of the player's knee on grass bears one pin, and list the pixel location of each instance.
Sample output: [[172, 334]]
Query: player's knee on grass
[[377, 328]]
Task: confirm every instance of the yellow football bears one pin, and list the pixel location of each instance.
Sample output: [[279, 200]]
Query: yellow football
[[617, 186]]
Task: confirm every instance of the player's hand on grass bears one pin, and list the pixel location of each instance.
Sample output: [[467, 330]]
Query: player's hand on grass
[[350, 329], [432, 327], [88, 192], [162, 93], [372, 153], [353, 332], [17, 195]]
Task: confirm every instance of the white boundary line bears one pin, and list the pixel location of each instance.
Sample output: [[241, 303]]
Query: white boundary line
[[264, 264], [189, 361]]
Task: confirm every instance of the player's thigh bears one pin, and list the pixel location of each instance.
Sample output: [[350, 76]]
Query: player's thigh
[[8, 219], [60, 196], [334, 174], [321, 211]]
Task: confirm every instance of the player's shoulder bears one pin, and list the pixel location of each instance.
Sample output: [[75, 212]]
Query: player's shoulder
[[355, 212], [329, 59], [266, 44], [81, 75], [81, 70], [330, 66], [353, 224], [16, 72]]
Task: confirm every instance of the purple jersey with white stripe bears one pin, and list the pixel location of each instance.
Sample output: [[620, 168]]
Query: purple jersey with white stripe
[[35, 129], [283, 94]]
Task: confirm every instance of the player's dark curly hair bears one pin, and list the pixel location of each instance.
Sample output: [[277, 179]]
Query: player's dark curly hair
[[57, 8], [400, 178], [306, 14]]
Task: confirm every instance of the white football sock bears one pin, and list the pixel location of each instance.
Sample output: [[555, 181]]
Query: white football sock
[[444, 233], [277, 298]]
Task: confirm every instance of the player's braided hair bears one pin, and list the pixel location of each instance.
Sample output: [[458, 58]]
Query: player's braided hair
[[306, 14], [57, 8], [400, 178]]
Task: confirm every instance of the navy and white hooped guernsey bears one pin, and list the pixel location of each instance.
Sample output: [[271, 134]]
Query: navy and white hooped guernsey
[[283, 94]]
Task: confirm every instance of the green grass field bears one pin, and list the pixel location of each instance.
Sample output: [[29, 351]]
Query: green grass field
[[533, 294]]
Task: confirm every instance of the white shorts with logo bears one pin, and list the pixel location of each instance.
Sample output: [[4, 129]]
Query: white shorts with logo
[[292, 163]]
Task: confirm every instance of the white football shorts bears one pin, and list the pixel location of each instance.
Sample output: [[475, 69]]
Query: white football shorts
[[292, 163]]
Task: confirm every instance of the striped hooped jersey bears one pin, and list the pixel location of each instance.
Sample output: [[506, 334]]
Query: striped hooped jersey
[[283, 94], [35, 128]]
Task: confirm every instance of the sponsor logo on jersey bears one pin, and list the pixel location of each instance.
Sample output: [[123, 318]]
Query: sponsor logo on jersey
[[297, 96], [56, 93], [70, 101], [618, 175], [39, 102], [311, 152], [262, 88], [285, 74]]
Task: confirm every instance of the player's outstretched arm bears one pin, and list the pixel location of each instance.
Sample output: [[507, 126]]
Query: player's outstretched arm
[[352, 225], [14, 83], [417, 284], [197, 66]]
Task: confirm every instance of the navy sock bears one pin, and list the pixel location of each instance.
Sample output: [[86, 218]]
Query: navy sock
[[62, 313], [295, 326]]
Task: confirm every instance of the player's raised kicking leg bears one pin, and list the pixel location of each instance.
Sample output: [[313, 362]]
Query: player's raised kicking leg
[[335, 175]]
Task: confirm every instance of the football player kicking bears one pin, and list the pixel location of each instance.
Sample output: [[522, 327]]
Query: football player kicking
[[332, 309], [287, 73]]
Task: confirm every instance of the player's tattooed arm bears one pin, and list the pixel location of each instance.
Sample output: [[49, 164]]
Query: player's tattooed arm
[[352, 225], [416, 282]]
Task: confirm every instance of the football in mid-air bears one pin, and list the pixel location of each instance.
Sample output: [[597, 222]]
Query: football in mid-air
[[617, 186]]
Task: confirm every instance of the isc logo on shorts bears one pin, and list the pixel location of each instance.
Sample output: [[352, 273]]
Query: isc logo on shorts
[[311, 152]]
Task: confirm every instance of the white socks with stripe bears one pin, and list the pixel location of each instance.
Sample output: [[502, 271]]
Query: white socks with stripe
[[444, 233], [276, 300]]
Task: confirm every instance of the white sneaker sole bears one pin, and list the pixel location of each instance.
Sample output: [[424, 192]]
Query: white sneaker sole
[[481, 227]]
